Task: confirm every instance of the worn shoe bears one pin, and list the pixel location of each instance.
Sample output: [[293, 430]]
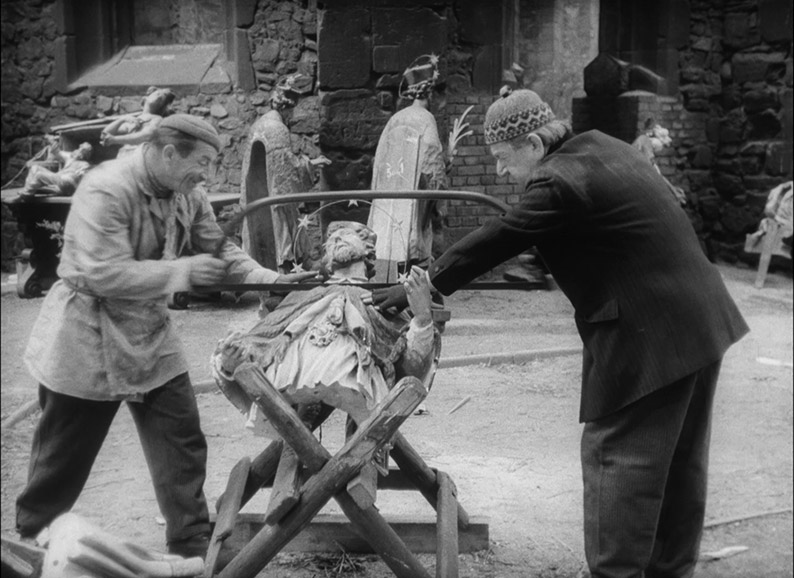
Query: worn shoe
[[191, 547]]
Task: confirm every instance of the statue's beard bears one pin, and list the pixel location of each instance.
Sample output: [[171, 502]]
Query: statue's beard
[[340, 254]]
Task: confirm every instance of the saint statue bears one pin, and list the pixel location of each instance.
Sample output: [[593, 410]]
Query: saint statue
[[330, 344], [271, 168], [133, 129], [63, 182]]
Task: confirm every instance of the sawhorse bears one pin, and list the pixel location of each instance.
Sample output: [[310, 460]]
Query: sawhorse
[[347, 477]]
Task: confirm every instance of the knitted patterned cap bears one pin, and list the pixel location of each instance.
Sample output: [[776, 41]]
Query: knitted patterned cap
[[193, 126], [515, 113]]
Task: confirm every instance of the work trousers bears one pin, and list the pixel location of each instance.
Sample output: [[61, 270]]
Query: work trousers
[[70, 434], [645, 472]]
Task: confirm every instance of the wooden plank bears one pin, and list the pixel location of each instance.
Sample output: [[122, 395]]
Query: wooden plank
[[772, 239], [331, 477], [447, 530], [286, 487], [330, 532], [363, 487], [227, 513], [415, 468], [263, 468], [22, 557]]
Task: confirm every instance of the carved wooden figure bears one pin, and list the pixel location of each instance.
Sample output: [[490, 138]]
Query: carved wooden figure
[[270, 167], [409, 156]]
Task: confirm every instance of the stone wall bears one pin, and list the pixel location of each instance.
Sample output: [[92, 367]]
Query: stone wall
[[282, 38], [363, 49], [730, 120]]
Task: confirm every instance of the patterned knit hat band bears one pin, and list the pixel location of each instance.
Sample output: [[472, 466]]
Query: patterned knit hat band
[[514, 114]]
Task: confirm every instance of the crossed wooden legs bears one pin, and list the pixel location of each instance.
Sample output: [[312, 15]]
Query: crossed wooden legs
[[329, 477]]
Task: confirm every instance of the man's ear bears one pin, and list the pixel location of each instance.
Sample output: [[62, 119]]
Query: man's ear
[[534, 141]]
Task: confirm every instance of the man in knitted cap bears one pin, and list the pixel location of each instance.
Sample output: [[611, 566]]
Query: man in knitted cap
[[103, 335], [653, 314]]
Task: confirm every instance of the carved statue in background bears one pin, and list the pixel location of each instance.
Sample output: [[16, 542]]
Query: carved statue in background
[[329, 344], [653, 140], [270, 168], [133, 129], [63, 181], [409, 156]]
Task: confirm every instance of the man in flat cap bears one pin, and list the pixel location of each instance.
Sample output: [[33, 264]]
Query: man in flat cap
[[653, 314], [103, 335]]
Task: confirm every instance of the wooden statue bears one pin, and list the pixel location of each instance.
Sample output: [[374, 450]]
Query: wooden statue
[[652, 141], [328, 344], [409, 156], [133, 129], [271, 168], [73, 165]]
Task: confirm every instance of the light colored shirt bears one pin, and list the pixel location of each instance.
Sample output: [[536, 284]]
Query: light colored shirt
[[104, 331]]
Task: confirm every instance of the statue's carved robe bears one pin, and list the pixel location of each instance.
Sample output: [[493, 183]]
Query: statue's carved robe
[[340, 351]]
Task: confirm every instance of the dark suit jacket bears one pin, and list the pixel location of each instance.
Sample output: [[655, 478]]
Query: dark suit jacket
[[650, 308]]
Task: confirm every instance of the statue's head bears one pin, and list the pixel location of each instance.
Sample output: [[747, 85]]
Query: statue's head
[[349, 242], [84, 151], [420, 78], [158, 99]]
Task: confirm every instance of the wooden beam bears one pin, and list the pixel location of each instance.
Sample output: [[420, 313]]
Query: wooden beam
[[447, 555], [330, 532], [333, 475], [363, 487], [415, 468], [227, 513], [286, 487], [263, 467]]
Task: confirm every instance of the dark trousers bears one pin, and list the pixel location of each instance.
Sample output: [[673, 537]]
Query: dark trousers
[[71, 432], [645, 470]]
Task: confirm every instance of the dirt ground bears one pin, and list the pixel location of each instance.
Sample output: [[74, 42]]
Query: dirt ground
[[513, 450]]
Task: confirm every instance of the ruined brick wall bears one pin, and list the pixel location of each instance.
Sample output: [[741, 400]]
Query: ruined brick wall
[[282, 38], [737, 74], [730, 120]]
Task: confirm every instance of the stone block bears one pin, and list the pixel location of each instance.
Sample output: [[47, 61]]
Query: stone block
[[215, 81], [606, 76], [218, 111], [764, 126], [104, 104], [754, 67], [738, 219], [306, 116], [416, 31], [739, 32], [351, 119], [759, 100], [479, 22], [386, 59], [265, 55], [760, 183], [344, 51], [774, 20], [244, 13], [700, 157], [775, 161], [241, 57], [728, 186]]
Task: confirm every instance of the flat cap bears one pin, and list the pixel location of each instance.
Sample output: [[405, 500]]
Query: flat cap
[[194, 126]]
